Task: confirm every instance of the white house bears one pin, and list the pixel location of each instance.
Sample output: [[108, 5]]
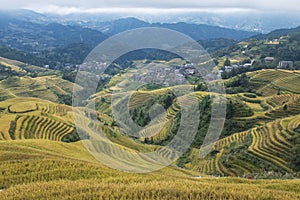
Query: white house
[[249, 64], [190, 71], [228, 68], [286, 64], [269, 59]]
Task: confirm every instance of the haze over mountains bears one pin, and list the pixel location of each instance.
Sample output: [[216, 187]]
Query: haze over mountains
[[251, 20], [34, 32], [51, 39], [31, 31]]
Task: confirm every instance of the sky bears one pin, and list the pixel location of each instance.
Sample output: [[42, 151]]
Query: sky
[[151, 6]]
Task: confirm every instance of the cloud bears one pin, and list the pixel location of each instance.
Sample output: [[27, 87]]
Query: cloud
[[63, 10], [152, 6]]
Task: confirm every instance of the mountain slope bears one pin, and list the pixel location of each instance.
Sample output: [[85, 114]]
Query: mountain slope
[[197, 32], [277, 33], [34, 37]]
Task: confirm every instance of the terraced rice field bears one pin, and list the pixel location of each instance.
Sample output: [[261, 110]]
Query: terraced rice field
[[292, 103], [35, 127], [271, 80], [279, 100], [34, 119], [161, 129], [23, 107], [46, 87], [38, 169], [269, 144]]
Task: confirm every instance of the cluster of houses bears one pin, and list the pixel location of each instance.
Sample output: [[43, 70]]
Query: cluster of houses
[[236, 66], [96, 66], [67, 66], [281, 65], [166, 75]]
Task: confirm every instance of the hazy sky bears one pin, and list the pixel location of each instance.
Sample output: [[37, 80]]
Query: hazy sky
[[77, 6]]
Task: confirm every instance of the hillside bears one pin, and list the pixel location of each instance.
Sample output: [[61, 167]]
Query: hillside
[[254, 54], [260, 152], [53, 150], [69, 167], [33, 108], [37, 37], [195, 31], [263, 100], [277, 33]]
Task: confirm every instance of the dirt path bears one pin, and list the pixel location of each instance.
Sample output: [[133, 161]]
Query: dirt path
[[7, 90]]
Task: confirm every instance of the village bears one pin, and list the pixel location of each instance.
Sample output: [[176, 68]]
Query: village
[[166, 75]]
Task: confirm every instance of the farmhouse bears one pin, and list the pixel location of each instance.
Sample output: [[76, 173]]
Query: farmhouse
[[269, 59], [228, 68], [190, 71], [285, 65]]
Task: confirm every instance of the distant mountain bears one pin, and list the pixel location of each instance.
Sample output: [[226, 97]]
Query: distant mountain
[[277, 33], [22, 56], [36, 37], [27, 15], [196, 31], [125, 24], [257, 21], [213, 45]]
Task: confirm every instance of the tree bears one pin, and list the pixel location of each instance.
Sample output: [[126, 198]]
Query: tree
[[227, 62], [216, 62], [285, 107], [279, 91], [200, 87]]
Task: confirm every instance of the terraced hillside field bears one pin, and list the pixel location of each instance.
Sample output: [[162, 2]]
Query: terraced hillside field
[[39, 169], [37, 163], [265, 149], [269, 81], [46, 87], [30, 118]]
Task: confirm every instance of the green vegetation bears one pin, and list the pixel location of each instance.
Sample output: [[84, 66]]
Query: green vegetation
[[280, 48]]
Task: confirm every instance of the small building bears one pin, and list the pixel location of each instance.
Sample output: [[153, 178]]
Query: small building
[[249, 64], [228, 68], [190, 71], [269, 59], [179, 75], [189, 65], [286, 65]]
